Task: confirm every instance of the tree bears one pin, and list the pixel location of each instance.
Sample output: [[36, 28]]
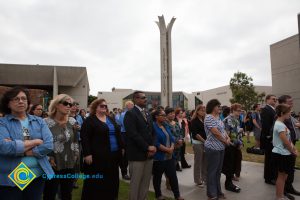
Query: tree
[[91, 98], [243, 91]]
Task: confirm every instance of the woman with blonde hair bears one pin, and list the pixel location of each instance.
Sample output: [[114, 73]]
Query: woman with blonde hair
[[66, 149], [198, 140]]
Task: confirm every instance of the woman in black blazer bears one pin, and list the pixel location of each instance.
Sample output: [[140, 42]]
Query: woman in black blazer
[[102, 150]]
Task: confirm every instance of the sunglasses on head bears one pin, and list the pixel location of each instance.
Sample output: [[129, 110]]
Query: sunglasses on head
[[65, 103], [103, 106]]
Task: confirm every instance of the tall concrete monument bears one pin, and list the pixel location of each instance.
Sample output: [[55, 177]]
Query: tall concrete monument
[[166, 60]]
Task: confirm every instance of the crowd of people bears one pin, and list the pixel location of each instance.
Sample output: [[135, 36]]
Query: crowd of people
[[143, 144]]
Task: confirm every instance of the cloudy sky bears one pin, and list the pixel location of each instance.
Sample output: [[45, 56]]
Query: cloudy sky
[[118, 40]]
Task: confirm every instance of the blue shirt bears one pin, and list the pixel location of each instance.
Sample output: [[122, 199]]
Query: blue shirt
[[277, 142], [30, 161], [12, 152], [256, 116], [161, 139], [211, 141], [112, 136], [121, 121], [79, 120], [117, 118]]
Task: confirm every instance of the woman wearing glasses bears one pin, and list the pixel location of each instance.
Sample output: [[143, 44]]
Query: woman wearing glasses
[[37, 110], [23, 138], [233, 155], [66, 150], [214, 145], [102, 150], [164, 161]]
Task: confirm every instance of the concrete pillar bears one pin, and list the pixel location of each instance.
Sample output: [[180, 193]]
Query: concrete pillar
[[299, 28], [166, 60], [55, 83]]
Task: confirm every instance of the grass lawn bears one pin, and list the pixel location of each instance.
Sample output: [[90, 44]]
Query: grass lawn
[[247, 156], [123, 191]]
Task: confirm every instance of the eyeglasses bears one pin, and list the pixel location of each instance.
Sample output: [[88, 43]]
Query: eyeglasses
[[144, 97], [18, 99], [103, 106], [65, 103]]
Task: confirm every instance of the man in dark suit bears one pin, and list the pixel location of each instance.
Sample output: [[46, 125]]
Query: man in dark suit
[[140, 147], [267, 119], [292, 126]]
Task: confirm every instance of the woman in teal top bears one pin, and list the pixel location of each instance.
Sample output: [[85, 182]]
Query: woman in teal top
[[283, 150], [23, 138]]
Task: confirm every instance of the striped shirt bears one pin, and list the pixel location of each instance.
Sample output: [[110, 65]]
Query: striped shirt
[[212, 142]]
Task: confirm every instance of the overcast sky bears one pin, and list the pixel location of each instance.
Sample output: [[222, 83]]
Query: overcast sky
[[118, 40]]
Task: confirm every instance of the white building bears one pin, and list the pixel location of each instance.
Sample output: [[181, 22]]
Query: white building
[[224, 94], [117, 97]]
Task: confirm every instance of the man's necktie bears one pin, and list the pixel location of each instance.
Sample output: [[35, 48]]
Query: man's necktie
[[144, 114]]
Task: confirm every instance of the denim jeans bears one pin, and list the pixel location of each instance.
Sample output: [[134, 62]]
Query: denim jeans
[[214, 161], [33, 191]]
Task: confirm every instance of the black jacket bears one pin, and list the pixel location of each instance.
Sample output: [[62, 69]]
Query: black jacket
[[95, 141], [139, 134], [267, 122], [197, 127]]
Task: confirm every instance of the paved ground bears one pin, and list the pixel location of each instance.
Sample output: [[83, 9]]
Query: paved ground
[[251, 182]]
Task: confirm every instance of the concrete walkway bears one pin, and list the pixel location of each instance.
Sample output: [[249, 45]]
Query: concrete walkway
[[251, 182]]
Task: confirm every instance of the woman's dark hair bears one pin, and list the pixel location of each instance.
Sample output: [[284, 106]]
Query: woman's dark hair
[[226, 111], [33, 108], [9, 95], [81, 110], [282, 109], [155, 114], [255, 106], [211, 104], [160, 108], [44, 114], [169, 110]]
